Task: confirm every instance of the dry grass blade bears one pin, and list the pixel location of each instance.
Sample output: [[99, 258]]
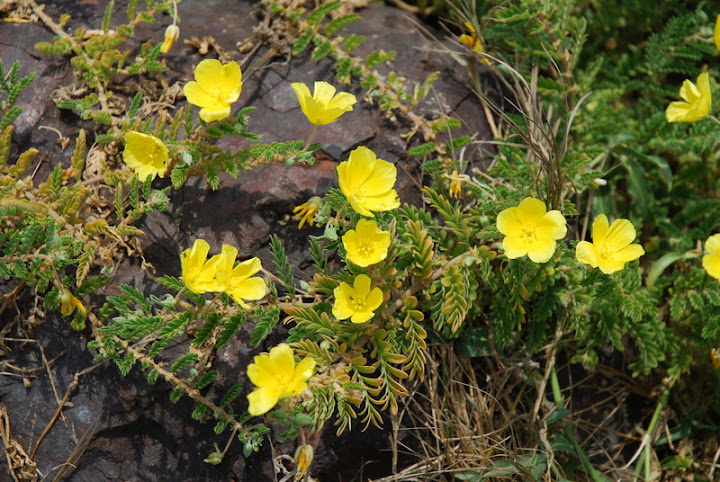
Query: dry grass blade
[[20, 466]]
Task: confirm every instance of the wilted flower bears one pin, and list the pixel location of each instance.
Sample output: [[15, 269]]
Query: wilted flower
[[306, 211], [146, 154], [356, 302], [456, 183], [715, 358], [215, 87], [323, 106], [711, 261], [473, 41], [368, 182], [276, 376], [238, 281], [698, 100], [611, 247], [197, 273], [303, 458], [530, 229], [366, 244], [171, 35], [68, 303]]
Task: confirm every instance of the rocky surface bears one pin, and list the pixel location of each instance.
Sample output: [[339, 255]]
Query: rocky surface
[[121, 428]]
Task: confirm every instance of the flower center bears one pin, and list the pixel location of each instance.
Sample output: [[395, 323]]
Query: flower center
[[606, 253], [528, 234], [365, 249], [356, 303]]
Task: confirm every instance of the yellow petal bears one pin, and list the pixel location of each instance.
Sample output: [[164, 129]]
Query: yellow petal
[[541, 250], [508, 222], [323, 93], [585, 252], [359, 167], [620, 234], [361, 316], [374, 299], [711, 263], [248, 289], [302, 92], [712, 244], [514, 246], [530, 210], [362, 286], [630, 253], [382, 178], [552, 225], [600, 229], [196, 95], [677, 111], [342, 101], [341, 308], [263, 400], [689, 92], [303, 371], [215, 113]]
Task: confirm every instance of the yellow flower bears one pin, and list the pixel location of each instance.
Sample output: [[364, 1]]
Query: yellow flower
[[198, 274], [367, 182], [611, 247], [711, 261], [530, 229], [171, 35], [276, 377], [473, 42], [698, 100], [306, 211], [215, 87], [238, 281], [324, 106], [68, 303], [356, 302], [146, 154], [366, 244], [716, 33]]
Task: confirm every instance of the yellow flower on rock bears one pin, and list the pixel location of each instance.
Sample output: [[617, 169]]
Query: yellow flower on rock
[[711, 261], [198, 275], [530, 229], [366, 244], [323, 106], [357, 302], [367, 182], [238, 281], [697, 101], [68, 303], [171, 35], [215, 87], [146, 154], [306, 211], [276, 376], [473, 42], [611, 247], [716, 33]]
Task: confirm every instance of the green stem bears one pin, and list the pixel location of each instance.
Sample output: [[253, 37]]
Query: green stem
[[644, 460], [311, 138], [557, 396]]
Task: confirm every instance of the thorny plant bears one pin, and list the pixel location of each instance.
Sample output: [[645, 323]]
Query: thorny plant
[[485, 265]]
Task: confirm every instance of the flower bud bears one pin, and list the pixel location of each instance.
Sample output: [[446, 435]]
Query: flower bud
[[171, 35]]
